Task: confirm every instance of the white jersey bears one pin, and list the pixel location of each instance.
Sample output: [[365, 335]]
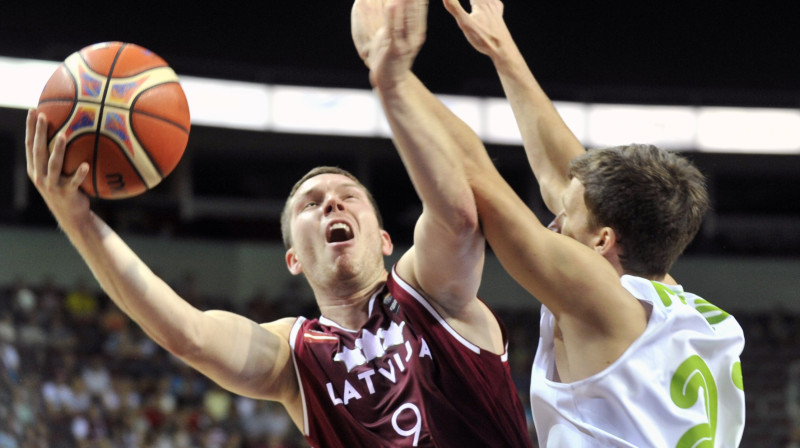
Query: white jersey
[[678, 385]]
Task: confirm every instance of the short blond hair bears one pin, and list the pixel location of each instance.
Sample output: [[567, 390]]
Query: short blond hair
[[286, 231]]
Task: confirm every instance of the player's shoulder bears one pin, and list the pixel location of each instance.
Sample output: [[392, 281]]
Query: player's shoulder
[[282, 327]]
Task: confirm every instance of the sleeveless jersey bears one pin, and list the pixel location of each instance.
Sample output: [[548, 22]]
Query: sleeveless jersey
[[678, 385], [405, 379]]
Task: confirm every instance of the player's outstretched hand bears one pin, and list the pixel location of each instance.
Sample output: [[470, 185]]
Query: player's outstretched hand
[[61, 193], [388, 35], [366, 18], [483, 26]]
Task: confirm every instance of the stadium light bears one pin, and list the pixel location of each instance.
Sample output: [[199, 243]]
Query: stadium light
[[354, 112]]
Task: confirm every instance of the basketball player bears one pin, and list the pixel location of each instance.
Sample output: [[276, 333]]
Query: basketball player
[[626, 357], [407, 358]]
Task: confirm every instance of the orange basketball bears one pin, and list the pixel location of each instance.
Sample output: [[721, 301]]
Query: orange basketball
[[123, 111]]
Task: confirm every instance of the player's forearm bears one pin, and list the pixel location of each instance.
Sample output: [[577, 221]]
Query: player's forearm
[[448, 244], [429, 153], [464, 138], [549, 143], [473, 156], [144, 297], [220, 345]]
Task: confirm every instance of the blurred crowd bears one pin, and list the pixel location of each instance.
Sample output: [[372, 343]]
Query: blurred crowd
[[76, 372]]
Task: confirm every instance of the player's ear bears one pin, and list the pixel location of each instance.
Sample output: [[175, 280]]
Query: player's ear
[[293, 263], [604, 241], [387, 246]]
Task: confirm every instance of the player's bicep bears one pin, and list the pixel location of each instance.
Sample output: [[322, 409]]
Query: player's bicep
[[245, 357], [446, 260]]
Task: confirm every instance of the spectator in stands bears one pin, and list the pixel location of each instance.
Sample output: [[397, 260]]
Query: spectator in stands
[[80, 304]]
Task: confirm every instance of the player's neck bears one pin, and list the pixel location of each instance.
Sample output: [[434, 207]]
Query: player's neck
[[351, 316], [349, 310]]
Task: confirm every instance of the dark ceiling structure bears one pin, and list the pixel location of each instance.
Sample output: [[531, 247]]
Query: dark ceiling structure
[[232, 183]]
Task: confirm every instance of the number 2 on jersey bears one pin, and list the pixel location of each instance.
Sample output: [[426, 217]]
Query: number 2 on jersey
[[691, 376]]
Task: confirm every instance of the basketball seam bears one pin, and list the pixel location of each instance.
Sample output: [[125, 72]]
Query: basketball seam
[[100, 125], [65, 99], [97, 129], [156, 117], [159, 117], [73, 100]]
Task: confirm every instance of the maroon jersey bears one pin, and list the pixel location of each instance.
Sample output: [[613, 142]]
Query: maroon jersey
[[405, 379]]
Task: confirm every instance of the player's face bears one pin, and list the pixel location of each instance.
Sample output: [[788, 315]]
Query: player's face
[[335, 230], [573, 220]]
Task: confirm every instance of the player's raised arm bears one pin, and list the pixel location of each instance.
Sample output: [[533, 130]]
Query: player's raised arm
[[235, 352], [549, 143], [598, 319], [447, 258]]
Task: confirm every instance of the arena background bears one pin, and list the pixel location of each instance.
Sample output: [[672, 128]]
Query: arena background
[[213, 223]]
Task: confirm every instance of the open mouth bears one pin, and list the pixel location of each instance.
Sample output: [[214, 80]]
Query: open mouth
[[339, 232]]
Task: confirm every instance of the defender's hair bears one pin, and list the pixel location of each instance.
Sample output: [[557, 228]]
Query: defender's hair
[[654, 200]]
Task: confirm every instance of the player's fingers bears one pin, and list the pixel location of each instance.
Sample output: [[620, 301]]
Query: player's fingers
[[56, 161], [455, 9], [355, 32], [495, 6], [363, 22], [418, 17], [30, 130], [39, 147], [395, 19], [80, 174]]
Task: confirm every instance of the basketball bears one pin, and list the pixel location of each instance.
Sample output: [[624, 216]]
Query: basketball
[[122, 110]]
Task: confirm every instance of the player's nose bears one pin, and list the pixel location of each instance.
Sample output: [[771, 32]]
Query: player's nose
[[333, 204]]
